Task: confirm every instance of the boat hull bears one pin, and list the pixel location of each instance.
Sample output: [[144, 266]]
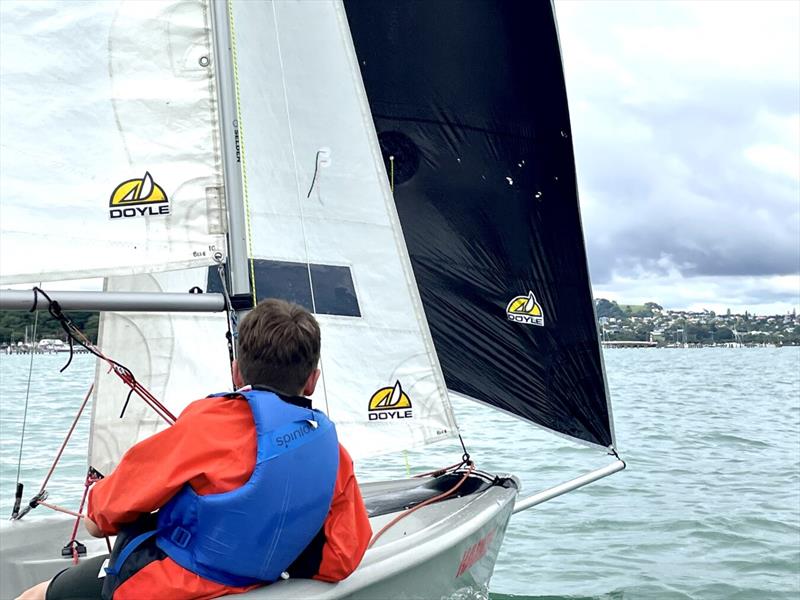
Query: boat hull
[[444, 550]]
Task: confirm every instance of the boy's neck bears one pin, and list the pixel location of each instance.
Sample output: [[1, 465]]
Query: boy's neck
[[295, 399]]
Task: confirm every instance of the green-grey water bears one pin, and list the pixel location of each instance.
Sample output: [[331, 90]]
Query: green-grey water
[[709, 507]]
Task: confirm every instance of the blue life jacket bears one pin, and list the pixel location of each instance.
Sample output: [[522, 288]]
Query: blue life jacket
[[253, 533]]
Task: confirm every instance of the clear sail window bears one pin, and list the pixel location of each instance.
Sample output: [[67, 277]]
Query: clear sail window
[[334, 292]]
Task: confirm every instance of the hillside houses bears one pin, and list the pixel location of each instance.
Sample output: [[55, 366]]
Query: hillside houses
[[652, 323]]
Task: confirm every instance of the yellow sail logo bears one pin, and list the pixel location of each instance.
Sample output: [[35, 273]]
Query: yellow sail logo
[[525, 309], [138, 198], [390, 403]]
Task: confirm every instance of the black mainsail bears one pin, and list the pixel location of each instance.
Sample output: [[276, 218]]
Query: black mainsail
[[470, 106]]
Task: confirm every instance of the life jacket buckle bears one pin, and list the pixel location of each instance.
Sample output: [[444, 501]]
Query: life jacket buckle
[[180, 537]]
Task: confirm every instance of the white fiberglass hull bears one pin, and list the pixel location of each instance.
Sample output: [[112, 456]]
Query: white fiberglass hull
[[444, 550]]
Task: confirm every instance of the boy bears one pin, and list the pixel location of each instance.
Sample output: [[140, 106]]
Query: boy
[[263, 441]]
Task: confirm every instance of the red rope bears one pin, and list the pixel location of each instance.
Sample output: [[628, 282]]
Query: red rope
[[403, 515], [66, 439], [127, 377], [438, 472], [89, 481], [58, 508]]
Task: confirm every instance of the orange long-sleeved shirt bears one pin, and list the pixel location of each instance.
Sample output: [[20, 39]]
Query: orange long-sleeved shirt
[[212, 447]]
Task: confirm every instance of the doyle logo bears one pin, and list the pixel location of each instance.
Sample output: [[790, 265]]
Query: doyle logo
[[138, 198], [525, 309], [390, 403]]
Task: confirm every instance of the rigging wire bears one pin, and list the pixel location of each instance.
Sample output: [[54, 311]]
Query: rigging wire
[[297, 188], [464, 458], [18, 486]]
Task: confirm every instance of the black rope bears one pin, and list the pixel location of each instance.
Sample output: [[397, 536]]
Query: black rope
[[232, 323], [614, 452], [316, 170], [125, 406], [465, 457], [17, 501], [54, 308]]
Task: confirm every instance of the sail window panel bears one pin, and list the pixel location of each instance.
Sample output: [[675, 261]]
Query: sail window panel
[[384, 292], [285, 280], [334, 292]]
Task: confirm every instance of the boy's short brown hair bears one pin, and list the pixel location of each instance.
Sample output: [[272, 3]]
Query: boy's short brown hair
[[278, 345]]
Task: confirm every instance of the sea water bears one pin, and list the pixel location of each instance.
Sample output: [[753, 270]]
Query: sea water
[[708, 508]]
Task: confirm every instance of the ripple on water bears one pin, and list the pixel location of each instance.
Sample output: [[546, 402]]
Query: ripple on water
[[711, 493]]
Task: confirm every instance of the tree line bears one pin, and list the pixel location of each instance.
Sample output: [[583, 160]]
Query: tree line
[[13, 325]]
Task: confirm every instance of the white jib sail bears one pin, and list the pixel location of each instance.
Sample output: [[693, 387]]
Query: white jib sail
[[109, 162], [319, 195]]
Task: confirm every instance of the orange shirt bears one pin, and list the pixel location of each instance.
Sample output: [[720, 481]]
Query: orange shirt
[[212, 447]]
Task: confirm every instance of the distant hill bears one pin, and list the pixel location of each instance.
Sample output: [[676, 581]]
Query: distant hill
[[611, 309], [650, 322]]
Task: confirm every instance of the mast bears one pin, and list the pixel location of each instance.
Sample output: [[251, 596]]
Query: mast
[[232, 154]]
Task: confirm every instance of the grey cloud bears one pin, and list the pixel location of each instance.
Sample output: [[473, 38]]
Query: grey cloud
[[688, 192], [666, 176]]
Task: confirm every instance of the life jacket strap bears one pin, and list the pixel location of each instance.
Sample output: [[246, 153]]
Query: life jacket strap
[[128, 550]]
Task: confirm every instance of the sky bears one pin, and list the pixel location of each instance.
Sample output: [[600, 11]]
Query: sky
[[686, 126]]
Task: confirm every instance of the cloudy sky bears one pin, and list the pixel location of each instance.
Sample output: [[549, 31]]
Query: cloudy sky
[[686, 124]]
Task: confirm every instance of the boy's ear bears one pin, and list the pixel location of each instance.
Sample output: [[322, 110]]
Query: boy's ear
[[236, 375], [311, 383]]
